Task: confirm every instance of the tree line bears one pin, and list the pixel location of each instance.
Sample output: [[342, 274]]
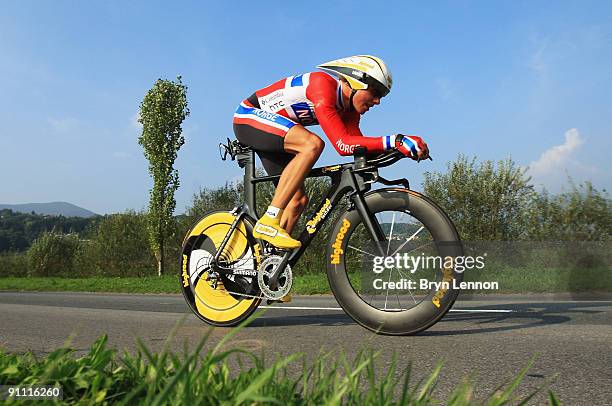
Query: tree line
[[491, 201], [487, 201], [19, 230]]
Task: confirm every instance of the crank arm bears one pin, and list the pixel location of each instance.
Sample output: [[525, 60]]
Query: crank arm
[[279, 270]]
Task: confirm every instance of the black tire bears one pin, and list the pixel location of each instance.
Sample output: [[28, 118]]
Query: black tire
[[217, 306], [435, 303]]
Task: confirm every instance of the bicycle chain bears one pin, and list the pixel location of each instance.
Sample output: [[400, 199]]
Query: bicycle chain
[[251, 296]]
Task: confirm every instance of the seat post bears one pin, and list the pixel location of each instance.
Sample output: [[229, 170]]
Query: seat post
[[248, 162]]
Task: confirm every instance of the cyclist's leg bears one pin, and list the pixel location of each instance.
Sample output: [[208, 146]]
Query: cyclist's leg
[[294, 209], [290, 195], [265, 132], [274, 164], [307, 148]]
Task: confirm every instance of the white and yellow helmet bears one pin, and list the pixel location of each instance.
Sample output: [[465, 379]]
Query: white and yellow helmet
[[362, 72]]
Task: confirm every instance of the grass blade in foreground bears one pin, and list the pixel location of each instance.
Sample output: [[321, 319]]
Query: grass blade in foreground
[[206, 377]]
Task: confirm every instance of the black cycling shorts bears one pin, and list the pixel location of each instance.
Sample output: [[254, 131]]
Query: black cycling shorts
[[265, 133]]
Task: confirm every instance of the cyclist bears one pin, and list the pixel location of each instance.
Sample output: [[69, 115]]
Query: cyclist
[[272, 122]]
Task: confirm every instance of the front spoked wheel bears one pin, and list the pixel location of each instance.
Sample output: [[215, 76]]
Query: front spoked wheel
[[407, 282]]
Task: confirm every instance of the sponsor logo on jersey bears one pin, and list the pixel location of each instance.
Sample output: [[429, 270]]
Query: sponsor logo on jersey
[[337, 245], [311, 226], [267, 99], [304, 114], [345, 147], [276, 106], [265, 114], [273, 101]]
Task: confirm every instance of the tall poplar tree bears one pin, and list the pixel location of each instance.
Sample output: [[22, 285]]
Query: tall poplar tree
[[162, 112]]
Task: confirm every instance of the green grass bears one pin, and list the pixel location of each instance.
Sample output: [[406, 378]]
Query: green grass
[[310, 284], [206, 376], [302, 285], [543, 279], [149, 284], [523, 280]]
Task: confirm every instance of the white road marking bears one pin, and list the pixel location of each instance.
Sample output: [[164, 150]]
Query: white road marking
[[300, 307], [483, 310], [339, 308]]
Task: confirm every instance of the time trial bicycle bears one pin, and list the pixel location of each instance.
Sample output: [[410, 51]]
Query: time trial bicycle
[[226, 273]]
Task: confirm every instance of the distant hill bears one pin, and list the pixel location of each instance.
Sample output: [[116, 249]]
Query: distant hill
[[54, 209]]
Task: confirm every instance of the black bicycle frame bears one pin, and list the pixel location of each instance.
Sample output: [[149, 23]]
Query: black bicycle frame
[[350, 179]]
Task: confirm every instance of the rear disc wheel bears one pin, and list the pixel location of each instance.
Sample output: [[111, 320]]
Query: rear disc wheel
[[217, 298]]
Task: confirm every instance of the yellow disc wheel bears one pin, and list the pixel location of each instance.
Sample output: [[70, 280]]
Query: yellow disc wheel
[[218, 300]]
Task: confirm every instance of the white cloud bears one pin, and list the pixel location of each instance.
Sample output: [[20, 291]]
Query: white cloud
[[64, 125], [555, 157], [559, 162]]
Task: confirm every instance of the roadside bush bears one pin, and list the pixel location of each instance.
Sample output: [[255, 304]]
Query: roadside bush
[[53, 254], [119, 246], [207, 199], [492, 203], [486, 202], [13, 264], [581, 214]]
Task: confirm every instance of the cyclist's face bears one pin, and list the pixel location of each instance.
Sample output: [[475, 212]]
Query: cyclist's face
[[364, 99]]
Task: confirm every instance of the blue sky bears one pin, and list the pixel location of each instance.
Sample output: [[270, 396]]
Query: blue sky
[[492, 79]]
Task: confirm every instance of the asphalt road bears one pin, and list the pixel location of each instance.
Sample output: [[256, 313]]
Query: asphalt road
[[571, 339]]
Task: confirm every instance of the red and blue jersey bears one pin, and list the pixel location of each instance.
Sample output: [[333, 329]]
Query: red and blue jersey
[[309, 99]]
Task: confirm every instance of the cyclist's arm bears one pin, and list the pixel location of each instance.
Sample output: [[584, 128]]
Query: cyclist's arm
[[344, 136], [351, 120]]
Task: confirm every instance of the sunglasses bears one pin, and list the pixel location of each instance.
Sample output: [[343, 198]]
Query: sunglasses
[[377, 88]]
